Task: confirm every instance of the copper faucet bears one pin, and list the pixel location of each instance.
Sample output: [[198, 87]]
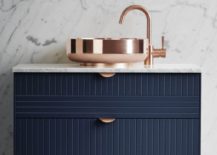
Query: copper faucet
[[152, 52]]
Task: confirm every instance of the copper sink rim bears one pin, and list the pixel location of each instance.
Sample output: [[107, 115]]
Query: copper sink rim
[[106, 46], [108, 38]]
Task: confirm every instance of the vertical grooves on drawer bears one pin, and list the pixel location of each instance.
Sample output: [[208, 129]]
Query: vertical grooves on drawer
[[90, 84], [123, 137]]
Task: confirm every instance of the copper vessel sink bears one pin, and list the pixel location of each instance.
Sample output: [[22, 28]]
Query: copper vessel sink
[[112, 51], [107, 50]]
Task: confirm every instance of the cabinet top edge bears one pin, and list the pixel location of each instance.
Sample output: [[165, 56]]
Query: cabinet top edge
[[76, 68]]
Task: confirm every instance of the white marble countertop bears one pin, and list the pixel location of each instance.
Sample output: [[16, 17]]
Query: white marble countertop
[[160, 68]]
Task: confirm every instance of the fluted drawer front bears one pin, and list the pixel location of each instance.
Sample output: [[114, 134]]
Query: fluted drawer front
[[92, 84], [122, 137], [126, 95]]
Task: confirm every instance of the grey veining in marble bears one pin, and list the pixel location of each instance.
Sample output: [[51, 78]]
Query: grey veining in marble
[[75, 68], [35, 31]]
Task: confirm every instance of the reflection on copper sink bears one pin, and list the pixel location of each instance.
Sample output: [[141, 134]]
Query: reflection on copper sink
[[107, 50]]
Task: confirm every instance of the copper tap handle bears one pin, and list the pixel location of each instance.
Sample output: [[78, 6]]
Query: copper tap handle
[[106, 120], [159, 52], [162, 41]]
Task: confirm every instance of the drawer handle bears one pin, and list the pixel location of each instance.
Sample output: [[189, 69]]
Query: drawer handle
[[107, 75], [106, 120]]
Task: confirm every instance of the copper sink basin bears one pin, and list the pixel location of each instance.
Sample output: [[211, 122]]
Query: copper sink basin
[[112, 50], [107, 50]]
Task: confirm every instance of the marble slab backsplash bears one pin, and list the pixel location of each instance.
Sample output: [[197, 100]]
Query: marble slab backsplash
[[35, 31]]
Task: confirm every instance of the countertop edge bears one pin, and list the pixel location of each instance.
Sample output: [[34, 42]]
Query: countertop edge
[[74, 68]]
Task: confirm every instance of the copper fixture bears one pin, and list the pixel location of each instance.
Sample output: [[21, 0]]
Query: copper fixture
[[107, 75], [106, 120], [113, 51], [106, 50], [151, 51], [107, 45]]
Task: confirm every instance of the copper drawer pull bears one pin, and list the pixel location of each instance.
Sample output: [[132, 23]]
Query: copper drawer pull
[[107, 75], [106, 120]]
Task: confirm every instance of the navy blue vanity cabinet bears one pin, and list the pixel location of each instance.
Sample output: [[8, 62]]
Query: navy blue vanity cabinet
[[155, 114]]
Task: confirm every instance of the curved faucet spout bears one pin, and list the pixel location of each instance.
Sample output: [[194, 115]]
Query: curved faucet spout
[[151, 52], [138, 7]]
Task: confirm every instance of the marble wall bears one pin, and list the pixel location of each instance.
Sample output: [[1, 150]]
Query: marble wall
[[35, 31]]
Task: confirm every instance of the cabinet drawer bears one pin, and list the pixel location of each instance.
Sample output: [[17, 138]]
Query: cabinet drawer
[[122, 137], [126, 95], [92, 84]]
